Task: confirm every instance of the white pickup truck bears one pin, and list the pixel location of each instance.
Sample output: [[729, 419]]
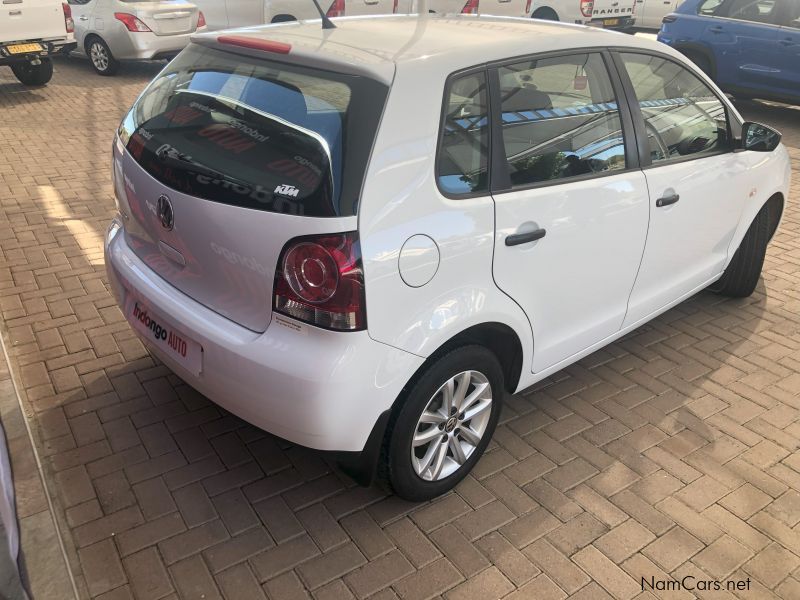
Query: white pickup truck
[[31, 31]]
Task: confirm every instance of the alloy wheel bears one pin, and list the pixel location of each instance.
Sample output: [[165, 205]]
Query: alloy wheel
[[451, 426], [99, 56]]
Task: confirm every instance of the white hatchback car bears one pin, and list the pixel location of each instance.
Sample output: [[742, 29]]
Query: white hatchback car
[[360, 239], [110, 31]]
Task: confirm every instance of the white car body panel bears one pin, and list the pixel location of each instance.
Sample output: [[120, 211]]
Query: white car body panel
[[325, 389], [649, 13], [32, 20], [569, 11]]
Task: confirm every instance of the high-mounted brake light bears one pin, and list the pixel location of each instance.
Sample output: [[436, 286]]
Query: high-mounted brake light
[[131, 22], [255, 43], [320, 280], [68, 20], [201, 19], [336, 9], [587, 6], [470, 8]]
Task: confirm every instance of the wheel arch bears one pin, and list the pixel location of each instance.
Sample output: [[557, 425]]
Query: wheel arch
[[541, 11], [283, 18]]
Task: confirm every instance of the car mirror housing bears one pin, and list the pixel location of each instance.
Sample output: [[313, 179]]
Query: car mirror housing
[[759, 138]]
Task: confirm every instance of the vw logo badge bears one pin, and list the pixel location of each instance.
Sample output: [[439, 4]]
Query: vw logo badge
[[165, 213]]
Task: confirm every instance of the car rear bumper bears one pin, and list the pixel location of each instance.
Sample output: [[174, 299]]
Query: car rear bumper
[[614, 23], [317, 388], [50, 48], [148, 46]]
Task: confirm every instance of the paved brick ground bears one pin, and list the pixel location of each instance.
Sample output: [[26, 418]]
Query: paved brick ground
[[672, 452]]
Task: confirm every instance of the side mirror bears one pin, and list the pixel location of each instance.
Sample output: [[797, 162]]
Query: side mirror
[[759, 138]]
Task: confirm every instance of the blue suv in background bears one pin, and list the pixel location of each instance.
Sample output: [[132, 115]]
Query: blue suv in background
[[750, 48]]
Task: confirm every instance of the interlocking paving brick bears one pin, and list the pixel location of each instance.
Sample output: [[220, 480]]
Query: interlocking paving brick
[[688, 424]]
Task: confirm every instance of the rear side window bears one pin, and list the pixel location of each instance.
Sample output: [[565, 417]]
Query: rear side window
[[256, 134], [683, 116], [709, 8], [757, 11], [560, 119], [462, 161]]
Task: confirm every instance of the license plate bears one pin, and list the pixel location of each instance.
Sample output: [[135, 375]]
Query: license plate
[[158, 332], [23, 48], [610, 22]]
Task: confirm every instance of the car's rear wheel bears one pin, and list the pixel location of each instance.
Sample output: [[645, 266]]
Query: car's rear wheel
[[444, 423], [100, 56], [34, 75], [741, 277], [283, 19], [546, 14]]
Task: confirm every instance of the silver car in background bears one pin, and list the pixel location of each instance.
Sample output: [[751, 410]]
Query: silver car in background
[[110, 31]]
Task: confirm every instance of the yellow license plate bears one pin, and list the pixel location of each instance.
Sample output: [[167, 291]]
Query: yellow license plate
[[610, 22], [23, 48]]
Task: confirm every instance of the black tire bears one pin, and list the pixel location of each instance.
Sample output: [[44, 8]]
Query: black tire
[[283, 19], [742, 275], [546, 14], [400, 473], [100, 57], [34, 75]]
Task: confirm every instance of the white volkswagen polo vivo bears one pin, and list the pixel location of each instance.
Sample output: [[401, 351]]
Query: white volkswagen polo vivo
[[360, 239]]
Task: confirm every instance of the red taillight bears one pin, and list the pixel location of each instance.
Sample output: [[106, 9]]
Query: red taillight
[[587, 6], [394, 7], [528, 7], [68, 21], [131, 22], [669, 19], [470, 8], [320, 280], [255, 44], [336, 9], [201, 19]]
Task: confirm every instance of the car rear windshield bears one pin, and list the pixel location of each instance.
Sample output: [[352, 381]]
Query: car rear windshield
[[257, 134]]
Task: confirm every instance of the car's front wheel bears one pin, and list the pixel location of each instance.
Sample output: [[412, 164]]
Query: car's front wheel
[[444, 423], [100, 56], [34, 75], [741, 277]]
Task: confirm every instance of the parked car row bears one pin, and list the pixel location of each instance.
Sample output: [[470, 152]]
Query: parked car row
[[750, 48]]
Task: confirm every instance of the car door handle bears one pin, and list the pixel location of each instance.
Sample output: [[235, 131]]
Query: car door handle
[[716, 29], [786, 42], [523, 238], [83, 18], [667, 200]]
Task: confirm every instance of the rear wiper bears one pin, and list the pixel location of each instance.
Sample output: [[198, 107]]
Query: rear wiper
[[182, 161]]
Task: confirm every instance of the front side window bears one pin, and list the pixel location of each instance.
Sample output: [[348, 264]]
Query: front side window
[[463, 160], [560, 119], [683, 117], [757, 11]]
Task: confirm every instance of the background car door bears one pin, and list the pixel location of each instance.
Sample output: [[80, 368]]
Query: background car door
[[571, 218], [745, 42], [650, 12], [789, 46], [698, 185], [81, 15]]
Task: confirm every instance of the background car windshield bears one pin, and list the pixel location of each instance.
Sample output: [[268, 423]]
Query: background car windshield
[[255, 134]]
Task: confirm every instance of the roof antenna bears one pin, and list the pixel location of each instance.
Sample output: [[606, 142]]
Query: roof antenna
[[326, 22]]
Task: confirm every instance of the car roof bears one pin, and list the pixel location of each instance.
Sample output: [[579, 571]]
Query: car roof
[[378, 44]]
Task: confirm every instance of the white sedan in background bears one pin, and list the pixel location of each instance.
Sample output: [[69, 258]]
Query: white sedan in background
[[110, 31]]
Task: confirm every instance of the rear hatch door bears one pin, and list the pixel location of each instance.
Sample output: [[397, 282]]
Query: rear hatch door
[[225, 158], [31, 20]]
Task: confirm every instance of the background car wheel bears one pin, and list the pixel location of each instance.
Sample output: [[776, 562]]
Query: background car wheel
[[29, 74], [283, 19], [546, 14], [444, 423], [742, 274], [101, 57]]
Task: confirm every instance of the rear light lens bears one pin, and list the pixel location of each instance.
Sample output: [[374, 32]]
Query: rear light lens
[[320, 280], [336, 9], [587, 6], [131, 22], [470, 8], [201, 19], [68, 20], [528, 7], [669, 19], [394, 7]]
